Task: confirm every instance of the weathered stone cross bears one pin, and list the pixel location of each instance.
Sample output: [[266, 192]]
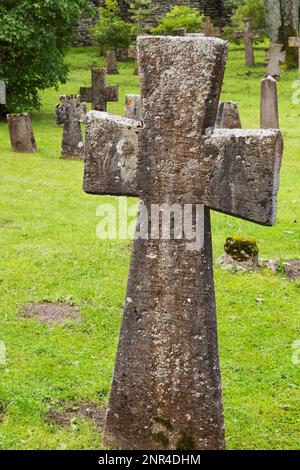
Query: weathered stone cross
[[99, 93], [166, 391], [248, 36], [276, 56], [295, 42], [70, 112]]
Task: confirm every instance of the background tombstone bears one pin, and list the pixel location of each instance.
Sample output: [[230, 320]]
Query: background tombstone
[[228, 116], [21, 133], [111, 63], [275, 56], [133, 107], [132, 54], [2, 92], [70, 112], [166, 391], [179, 32], [248, 37], [122, 54], [208, 27], [295, 42], [99, 93], [269, 104]]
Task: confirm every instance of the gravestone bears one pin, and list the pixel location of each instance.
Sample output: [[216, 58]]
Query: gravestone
[[111, 63], [21, 133], [275, 56], [122, 54], [166, 391], [132, 54], [179, 32], [228, 116], [295, 42], [99, 93], [208, 27], [248, 37], [133, 107], [71, 112], [2, 92], [269, 104]]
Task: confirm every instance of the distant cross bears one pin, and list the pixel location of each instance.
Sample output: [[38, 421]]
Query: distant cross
[[295, 42], [99, 93], [248, 37], [71, 112], [166, 391], [2, 92], [275, 56]]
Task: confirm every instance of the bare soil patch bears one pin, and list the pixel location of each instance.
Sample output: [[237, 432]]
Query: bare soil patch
[[51, 313]]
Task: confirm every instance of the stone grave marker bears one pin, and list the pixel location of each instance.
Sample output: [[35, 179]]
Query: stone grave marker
[[179, 32], [21, 133], [269, 118], [275, 56], [99, 93], [166, 391], [2, 92], [133, 107], [111, 63], [248, 37], [295, 42], [228, 116], [71, 112], [132, 54], [208, 27]]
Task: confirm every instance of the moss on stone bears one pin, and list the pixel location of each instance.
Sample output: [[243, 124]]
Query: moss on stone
[[186, 442], [241, 248], [161, 438], [163, 421]]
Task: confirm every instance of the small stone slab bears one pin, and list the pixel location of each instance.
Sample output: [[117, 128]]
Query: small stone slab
[[269, 116], [2, 92], [228, 116], [51, 313], [111, 63], [21, 133], [292, 269]]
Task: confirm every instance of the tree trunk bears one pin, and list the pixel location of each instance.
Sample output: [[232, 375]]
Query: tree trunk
[[282, 18]]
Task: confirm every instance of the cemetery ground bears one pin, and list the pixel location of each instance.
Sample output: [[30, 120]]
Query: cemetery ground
[[55, 379]]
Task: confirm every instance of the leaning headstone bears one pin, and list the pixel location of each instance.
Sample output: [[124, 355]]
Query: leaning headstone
[[99, 93], [2, 92], [133, 107], [166, 391], [248, 37], [269, 104], [295, 42], [179, 32], [240, 253], [71, 112], [275, 57], [208, 27], [228, 116], [111, 63], [21, 133]]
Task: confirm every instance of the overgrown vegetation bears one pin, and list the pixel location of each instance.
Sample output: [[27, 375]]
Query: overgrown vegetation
[[179, 17], [34, 37]]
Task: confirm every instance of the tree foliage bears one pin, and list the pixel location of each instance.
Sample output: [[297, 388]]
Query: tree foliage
[[34, 36], [139, 11], [252, 9], [111, 31], [179, 17]]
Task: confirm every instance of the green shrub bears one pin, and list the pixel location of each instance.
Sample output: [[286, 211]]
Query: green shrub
[[179, 17], [252, 9], [111, 32]]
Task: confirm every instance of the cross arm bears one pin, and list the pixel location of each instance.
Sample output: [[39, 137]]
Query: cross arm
[[243, 173], [111, 155], [86, 94]]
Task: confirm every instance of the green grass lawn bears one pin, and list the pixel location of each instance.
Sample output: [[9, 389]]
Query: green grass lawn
[[49, 251]]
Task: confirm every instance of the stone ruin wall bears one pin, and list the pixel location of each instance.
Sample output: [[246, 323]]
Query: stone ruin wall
[[213, 8]]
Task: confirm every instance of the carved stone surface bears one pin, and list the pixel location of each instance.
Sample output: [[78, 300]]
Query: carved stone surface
[[111, 63], [166, 391], [269, 118], [21, 133], [228, 116], [248, 37], [99, 93], [133, 107], [70, 112], [275, 56]]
